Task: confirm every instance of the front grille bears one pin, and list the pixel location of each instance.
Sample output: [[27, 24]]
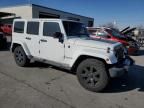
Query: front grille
[[119, 53]]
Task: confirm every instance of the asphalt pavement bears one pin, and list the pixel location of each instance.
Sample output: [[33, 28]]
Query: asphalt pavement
[[44, 86]]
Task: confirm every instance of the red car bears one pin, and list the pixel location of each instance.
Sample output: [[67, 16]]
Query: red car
[[114, 35], [6, 29]]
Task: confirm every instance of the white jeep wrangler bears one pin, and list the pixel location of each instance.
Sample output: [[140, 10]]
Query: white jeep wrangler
[[66, 44]]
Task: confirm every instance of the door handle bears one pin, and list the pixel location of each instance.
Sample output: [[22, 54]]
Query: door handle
[[28, 38], [42, 40]]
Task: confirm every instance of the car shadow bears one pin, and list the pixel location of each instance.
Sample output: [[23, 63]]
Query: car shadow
[[134, 80], [7, 47], [4, 49], [41, 65]]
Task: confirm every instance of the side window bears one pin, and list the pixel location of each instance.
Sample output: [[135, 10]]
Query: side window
[[49, 28], [33, 28], [19, 27]]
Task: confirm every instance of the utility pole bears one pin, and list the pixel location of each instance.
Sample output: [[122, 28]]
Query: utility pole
[[115, 23]]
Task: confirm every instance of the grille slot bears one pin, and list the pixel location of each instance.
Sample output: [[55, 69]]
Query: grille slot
[[119, 53]]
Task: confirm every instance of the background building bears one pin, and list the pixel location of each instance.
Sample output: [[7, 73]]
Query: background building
[[27, 11]]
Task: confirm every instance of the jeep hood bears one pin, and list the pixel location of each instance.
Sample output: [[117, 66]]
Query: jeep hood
[[94, 43]]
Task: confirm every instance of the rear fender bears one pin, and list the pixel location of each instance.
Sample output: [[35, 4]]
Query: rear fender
[[23, 45]]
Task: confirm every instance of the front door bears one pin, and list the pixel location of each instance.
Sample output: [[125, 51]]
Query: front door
[[50, 48]]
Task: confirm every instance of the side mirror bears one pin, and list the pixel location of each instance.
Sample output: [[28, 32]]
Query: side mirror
[[59, 35]]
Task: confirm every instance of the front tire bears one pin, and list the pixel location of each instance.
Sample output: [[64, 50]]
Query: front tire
[[20, 57], [92, 75]]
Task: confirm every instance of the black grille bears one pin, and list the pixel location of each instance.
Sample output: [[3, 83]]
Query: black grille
[[119, 53]]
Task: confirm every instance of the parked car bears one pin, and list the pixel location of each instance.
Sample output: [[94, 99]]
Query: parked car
[[66, 44], [6, 29], [3, 41], [115, 35]]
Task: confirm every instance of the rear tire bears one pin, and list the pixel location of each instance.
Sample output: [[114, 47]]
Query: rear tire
[[20, 57], [92, 75]]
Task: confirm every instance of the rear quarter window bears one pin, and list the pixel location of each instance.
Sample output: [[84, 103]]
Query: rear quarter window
[[19, 26]]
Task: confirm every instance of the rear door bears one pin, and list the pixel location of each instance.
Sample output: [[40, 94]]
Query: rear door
[[18, 31], [32, 37]]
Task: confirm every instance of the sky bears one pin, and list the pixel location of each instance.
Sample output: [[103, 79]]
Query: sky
[[123, 12]]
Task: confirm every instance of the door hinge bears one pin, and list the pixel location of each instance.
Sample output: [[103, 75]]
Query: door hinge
[[39, 51]]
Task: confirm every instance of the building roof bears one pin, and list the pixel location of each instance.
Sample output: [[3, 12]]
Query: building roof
[[43, 7], [45, 19], [5, 14]]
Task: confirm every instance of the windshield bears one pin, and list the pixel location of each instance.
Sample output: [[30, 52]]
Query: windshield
[[115, 33], [75, 29]]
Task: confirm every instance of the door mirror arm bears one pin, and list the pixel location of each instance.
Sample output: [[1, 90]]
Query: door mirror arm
[[61, 39], [59, 35]]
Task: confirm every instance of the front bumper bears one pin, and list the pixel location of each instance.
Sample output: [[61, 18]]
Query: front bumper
[[121, 67]]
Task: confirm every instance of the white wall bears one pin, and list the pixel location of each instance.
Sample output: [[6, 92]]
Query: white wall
[[32, 11], [20, 11]]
